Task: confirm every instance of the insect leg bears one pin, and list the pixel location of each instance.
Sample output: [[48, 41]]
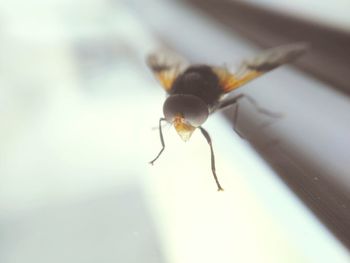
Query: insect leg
[[262, 110], [235, 118], [207, 137], [230, 101], [161, 140], [157, 127]]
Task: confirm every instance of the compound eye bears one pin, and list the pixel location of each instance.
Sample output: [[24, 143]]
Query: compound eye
[[191, 108]]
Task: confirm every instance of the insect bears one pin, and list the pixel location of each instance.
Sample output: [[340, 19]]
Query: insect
[[196, 91]]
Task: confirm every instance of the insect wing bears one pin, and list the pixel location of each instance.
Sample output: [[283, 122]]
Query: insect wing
[[257, 66], [166, 66]]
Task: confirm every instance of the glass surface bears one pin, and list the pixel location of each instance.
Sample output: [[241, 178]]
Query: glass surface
[[77, 116], [334, 13]]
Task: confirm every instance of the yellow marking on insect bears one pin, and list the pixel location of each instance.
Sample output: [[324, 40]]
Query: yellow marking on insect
[[184, 129], [229, 82], [166, 79]]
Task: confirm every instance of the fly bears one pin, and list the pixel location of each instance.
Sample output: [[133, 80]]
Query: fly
[[196, 91]]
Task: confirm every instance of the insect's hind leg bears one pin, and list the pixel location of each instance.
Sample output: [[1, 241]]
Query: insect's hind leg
[[235, 118], [262, 110], [231, 101], [161, 140], [234, 101]]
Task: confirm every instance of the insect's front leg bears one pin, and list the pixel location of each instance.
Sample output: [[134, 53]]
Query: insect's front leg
[[161, 140], [207, 137]]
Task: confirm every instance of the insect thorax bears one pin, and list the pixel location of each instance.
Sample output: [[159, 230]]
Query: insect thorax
[[200, 81]]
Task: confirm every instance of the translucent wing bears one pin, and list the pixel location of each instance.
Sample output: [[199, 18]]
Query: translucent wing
[[257, 66], [166, 66]]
